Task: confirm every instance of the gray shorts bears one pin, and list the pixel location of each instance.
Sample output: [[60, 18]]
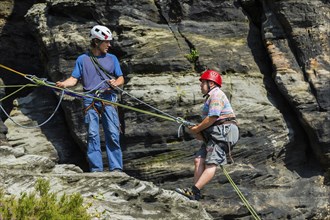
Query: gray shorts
[[219, 139], [213, 153]]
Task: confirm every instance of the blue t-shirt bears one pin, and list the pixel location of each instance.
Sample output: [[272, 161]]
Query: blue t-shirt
[[92, 76]]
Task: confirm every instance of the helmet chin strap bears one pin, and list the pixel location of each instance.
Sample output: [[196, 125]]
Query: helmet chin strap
[[208, 88]]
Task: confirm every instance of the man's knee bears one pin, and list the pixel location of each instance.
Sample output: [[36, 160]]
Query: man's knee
[[198, 161]]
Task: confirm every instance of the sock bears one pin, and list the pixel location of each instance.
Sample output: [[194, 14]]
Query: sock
[[195, 190]]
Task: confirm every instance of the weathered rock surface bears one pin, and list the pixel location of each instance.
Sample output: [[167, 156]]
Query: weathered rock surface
[[273, 56], [110, 195]]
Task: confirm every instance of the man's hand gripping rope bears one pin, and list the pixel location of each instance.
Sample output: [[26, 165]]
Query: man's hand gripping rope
[[185, 123]]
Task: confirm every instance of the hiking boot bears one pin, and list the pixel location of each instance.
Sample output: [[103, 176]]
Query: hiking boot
[[116, 170], [96, 171], [188, 192]]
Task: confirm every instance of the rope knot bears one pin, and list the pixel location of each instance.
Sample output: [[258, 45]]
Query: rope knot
[[184, 122]]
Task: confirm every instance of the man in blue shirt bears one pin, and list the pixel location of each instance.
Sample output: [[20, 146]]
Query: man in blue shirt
[[100, 73]]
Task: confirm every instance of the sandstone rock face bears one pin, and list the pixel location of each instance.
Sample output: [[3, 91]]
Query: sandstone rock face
[[111, 195], [302, 74], [274, 59]]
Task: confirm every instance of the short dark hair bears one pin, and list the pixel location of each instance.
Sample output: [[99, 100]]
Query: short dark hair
[[95, 42]]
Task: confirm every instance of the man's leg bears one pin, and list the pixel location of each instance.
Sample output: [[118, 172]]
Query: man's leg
[[206, 176], [199, 161], [199, 168], [215, 156], [94, 154], [110, 122]]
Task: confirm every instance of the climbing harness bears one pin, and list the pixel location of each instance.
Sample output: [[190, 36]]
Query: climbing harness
[[226, 129], [44, 82]]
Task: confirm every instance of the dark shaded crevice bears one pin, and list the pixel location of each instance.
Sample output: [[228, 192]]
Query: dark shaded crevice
[[71, 12], [277, 30], [175, 15], [175, 11], [197, 66], [22, 54], [163, 18], [18, 53], [299, 55], [297, 152], [245, 214], [26, 56]]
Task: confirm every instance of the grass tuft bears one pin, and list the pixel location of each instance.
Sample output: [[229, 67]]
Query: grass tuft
[[42, 204]]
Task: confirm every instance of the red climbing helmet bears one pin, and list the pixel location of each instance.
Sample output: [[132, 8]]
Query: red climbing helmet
[[212, 76]]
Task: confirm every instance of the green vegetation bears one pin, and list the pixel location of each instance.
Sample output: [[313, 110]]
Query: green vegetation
[[193, 56], [42, 204]]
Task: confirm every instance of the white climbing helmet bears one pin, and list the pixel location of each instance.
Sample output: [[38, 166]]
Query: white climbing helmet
[[100, 32]]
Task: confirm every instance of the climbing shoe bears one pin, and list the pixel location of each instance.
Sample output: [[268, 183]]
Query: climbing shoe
[[190, 193], [117, 170]]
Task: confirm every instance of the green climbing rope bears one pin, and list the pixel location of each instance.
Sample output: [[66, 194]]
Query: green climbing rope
[[240, 194]]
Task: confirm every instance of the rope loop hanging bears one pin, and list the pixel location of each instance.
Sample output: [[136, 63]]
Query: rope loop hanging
[[39, 125]]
